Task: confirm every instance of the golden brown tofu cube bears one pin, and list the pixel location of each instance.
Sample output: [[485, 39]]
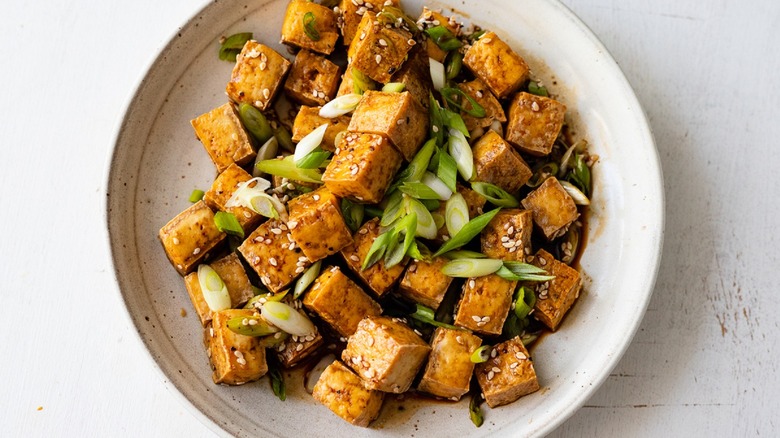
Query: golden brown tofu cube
[[377, 277], [553, 209], [555, 297], [386, 353], [340, 302], [222, 134], [352, 13], [313, 79], [322, 24], [475, 203], [496, 64], [430, 19], [223, 188], [415, 74], [424, 282], [483, 96], [343, 392], [231, 271], [484, 304], [534, 123], [363, 168], [190, 236], [297, 348], [449, 369], [497, 162], [317, 225], [377, 51], [308, 119], [347, 85], [236, 359], [508, 235], [397, 116], [509, 375], [258, 73], [272, 252]]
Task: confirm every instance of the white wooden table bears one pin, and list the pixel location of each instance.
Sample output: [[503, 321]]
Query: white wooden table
[[704, 362]]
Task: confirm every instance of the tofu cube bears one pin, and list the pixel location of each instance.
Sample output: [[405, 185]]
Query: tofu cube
[[340, 302], [397, 116], [297, 348], [449, 369], [553, 209], [347, 85], [308, 119], [231, 271], [317, 225], [323, 23], [223, 188], [257, 75], [430, 19], [363, 168], [555, 297], [483, 96], [377, 51], [273, 254], [424, 282], [474, 201], [386, 353], [508, 235], [497, 162], [236, 359], [415, 74], [313, 79], [190, 236], [508, 376], [343, 392], [496, 64], [484, 304], [534, 123], [352, 13], [222, 134], [377, 277]]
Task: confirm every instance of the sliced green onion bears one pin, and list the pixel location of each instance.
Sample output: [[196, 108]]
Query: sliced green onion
[[523, 307], [481, 354], [309, 21], [287, 318], [360, 82], [439, 220], [418, 190], [285, 139], [250, 326], [581, 174], [254, 198], [258, 300], [444, 38], [453, 64], [391, 14], [580, 146], [426, 226], [454, 120], [394, 87], [378, 248], [255, 122], [437, 185], [528, 338], [277, 382], [495, 195], [468, 268], [273, 340], [539, 90], [468, 232], [426, 315], [353, 213], [571, 242], [267, 151], [456, 214], [286, 168], [227, 223], [416, 168], [407, 225], [438, 76], [541, 174], [341, 105], [437, 120], [524, 272], [214, 290], [431, 204], [475, 412], [460, 150], [307, 279], [372, 212], [232, 45], [394, 209], [309, 143], [451, 95], [447, 170], [196, 195], [314, 159], [464, 254], [575, 193]]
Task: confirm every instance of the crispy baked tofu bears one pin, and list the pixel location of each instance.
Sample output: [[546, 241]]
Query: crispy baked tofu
[[236, 359], [430, 19], [424, 283], [555, 297], [508, 235], [363, 168], [553, 209], [340, 302], [257, 75], [449, 369], [508, 375], [222, 134], [317, 225], [385, 353], [273, 254], [223, 188], [313, 79], [324, 30], [352, 13], [308, 119], [377, 277], [484, 304], [378, 51], [190, 236], [497, 162], [496, 64], [231, 271], [295, 349], [483, 96], [344, 393], [534, 123], [415, 74]]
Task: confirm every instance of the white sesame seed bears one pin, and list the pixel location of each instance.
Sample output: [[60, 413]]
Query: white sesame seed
[[299, 269], [513, 365], [507, 225], [479, 94], [247, 214], [256, 260], [284, 246], [354, 258], [176, 241], [476, 318], [481, 324], [378, 59], [505, 239], [459, 339], [272, 261], [262, 65], [382, 42], [252, 322], [490, 375], [316, 197], [411, 42], [493, 352], [520, 355], [276, 231], [413, 268], [299, 347], [542, 261], [363, 231], [508, 244], [485, 319], [418, 332], [196, 251], [266, 93], [362, 36], [241, 361], [472, 284], [435, 128], [487, 40], [513, 249]]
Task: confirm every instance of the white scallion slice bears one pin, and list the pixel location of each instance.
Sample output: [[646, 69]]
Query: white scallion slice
[[309, 143], [307, 279], [255, 199], [287, 319], [575, 193], [496, 126], [461, 152], [476, 134], [580, 145], [439, 220], [467, 268], [426, 226], [438, 75], [268, 150], [314, 375], [214, 290], [456, 214], [394, 87], [340, 106], [437, 185]]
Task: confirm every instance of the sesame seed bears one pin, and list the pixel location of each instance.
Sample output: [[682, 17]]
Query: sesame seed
[[472, 284], [258, 103], [343, 339], [252, 322], [266, 93], [276, 231], [281, 348], [309, 338], [284, 246], [490, 375], [411, 42], [289, 237], [508, 244], [418, 332], [256, 260], [292, 224], [378, 59], [476, 318], [369, 5], [505, 239], [272, 261], [247, 214], [267, 241], [459, 339], [542, 261], [299, 347], [277, 335], [513, 365], [479, 94], [262, 65], [354, 258], [176, 241], [493, 352], [513, 249], [485, 319], [382, 42], [299, 269], [481, 324], [399, 122], [435, 128], [436, 22], [520, 355], [363, 231], [316, 197], [362, 36], [413, 268], [535, 106], [241, 361], [487, 40]]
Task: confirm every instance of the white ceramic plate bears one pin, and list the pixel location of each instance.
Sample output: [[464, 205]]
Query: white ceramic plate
[[157, 162]]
